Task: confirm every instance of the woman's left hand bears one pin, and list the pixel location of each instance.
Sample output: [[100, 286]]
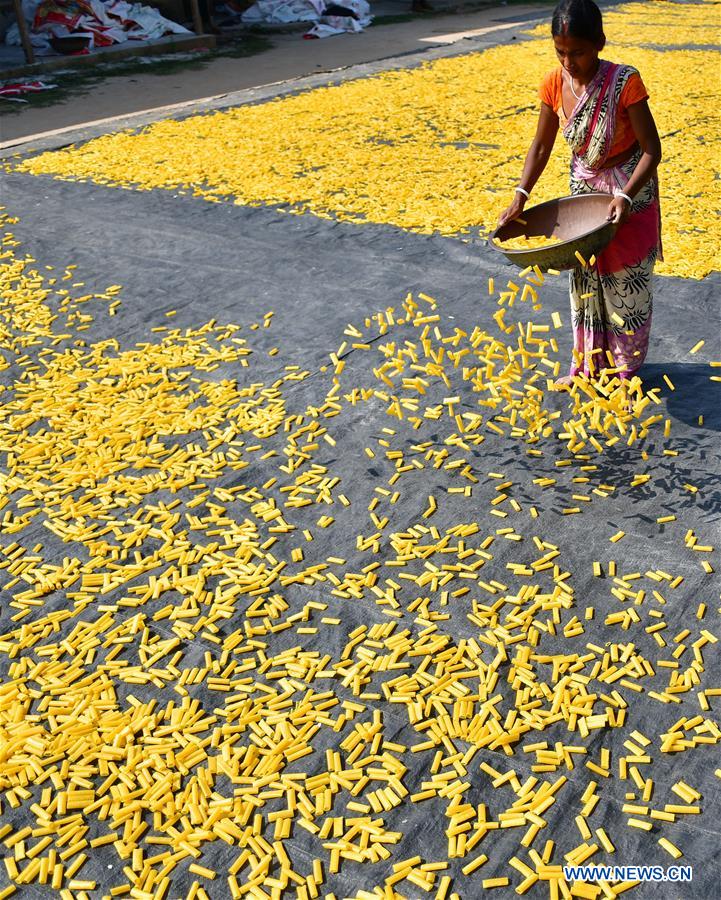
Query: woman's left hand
[[618, 210]]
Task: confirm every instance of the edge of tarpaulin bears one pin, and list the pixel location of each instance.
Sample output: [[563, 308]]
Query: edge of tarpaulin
[[70, 134]]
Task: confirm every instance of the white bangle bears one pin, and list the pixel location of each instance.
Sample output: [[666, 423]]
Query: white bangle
[[625, 197], [520, 190]]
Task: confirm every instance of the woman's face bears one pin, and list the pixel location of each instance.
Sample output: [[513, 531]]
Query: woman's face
[[578, 56]]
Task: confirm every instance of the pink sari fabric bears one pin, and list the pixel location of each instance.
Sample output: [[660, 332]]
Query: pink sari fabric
[[618, 287], [590, 128]]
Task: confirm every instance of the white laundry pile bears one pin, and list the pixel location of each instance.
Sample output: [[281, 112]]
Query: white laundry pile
[[112, 22], [353, 15]]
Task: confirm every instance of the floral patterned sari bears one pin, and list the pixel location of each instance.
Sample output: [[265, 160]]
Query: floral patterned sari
[[611, 301]]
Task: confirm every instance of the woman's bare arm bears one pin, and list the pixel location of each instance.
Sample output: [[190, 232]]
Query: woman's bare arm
[[644, 127], [536, 160]]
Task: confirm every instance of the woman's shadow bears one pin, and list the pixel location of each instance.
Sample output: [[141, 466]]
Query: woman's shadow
[[693, 395]]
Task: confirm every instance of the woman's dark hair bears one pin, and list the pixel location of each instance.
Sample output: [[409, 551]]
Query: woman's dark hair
[[579, 19]]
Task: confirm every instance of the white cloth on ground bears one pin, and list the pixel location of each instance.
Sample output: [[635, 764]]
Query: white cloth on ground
[[285, 11]]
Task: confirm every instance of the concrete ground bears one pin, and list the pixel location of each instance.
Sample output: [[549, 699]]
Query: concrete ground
[[289, 57]]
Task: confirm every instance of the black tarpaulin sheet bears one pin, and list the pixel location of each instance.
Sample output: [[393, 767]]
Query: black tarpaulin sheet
[[234, 265]]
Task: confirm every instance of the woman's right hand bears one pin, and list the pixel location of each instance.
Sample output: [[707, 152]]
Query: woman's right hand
[[513, 211]]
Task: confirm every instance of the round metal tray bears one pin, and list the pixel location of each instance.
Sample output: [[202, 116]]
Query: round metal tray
[[579, 221]]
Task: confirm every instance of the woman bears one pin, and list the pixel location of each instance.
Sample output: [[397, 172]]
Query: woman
[[603, 110]]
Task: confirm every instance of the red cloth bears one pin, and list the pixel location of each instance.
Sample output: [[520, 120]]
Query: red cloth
[[24, 87], [633, 241]]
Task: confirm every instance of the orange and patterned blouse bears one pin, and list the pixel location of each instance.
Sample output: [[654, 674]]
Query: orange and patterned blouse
[[633, 92]]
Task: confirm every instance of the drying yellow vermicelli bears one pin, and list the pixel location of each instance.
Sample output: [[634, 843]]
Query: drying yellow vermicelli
[[409, 148], [180, 668], [529, 242]]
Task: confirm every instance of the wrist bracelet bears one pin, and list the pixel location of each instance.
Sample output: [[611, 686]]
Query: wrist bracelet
[[625, 197], [520, 190]]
